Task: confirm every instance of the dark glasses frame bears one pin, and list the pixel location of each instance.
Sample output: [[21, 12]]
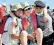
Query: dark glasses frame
[[27, 9]]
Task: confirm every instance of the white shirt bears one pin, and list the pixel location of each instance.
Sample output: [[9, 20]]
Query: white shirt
[[7, 39], [5, 36]]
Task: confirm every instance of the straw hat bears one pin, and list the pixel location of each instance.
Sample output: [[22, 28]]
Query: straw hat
[[25, 5]]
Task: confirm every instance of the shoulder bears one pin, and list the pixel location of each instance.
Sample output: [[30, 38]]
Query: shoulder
[[9, 20]]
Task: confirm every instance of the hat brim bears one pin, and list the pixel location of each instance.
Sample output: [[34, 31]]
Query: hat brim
[[27, 7]]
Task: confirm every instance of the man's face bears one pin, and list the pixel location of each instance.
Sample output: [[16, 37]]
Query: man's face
[[19, 13], [38, 9]]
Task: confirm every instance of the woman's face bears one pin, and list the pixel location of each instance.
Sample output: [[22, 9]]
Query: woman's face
[[27, 12], [38, 9]]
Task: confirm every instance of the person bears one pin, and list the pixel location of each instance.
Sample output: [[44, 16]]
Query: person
[[29, 27], [52, 15], [1, 22], [49, 11], [12, 29], [0, 30], [44, 22]]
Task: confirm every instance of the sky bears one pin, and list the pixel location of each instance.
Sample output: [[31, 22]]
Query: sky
[[47, 2]]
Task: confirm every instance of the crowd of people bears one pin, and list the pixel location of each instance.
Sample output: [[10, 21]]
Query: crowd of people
[[26, 24]]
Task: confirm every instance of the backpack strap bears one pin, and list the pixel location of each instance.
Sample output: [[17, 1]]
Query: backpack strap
[[24, 22], [4, 22], [7, 19], [34, 20]]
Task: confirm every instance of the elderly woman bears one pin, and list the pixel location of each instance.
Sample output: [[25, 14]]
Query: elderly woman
[[44, 21]]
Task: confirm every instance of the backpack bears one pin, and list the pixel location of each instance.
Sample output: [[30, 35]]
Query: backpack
[[3, 23]]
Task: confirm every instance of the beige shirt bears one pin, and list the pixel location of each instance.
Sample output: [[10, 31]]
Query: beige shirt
[[12, 30], [7, 39]]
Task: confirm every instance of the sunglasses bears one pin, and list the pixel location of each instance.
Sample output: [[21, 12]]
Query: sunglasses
[[27, 9]]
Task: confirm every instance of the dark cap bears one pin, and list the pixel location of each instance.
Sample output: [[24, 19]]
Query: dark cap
[[39, 4]]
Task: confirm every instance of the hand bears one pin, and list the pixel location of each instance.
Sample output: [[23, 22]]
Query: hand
[[30, 37], [34, 34]]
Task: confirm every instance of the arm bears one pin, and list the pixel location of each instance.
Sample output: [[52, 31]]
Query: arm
[[15, 36]]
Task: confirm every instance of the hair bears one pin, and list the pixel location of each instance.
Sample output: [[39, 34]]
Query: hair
[[53, 10], [14, 13], [45, 12], [48, 7]]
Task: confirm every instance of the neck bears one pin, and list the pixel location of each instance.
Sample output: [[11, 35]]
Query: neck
[[19, 17]]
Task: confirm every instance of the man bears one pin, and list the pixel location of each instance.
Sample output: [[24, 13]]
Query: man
[[2, 14], [13, 27], [44, 21]]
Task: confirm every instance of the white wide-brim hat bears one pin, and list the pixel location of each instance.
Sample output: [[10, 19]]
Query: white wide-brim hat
[[16, 7]]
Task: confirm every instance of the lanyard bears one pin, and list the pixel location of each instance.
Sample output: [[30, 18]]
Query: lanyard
[[16, 22]]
